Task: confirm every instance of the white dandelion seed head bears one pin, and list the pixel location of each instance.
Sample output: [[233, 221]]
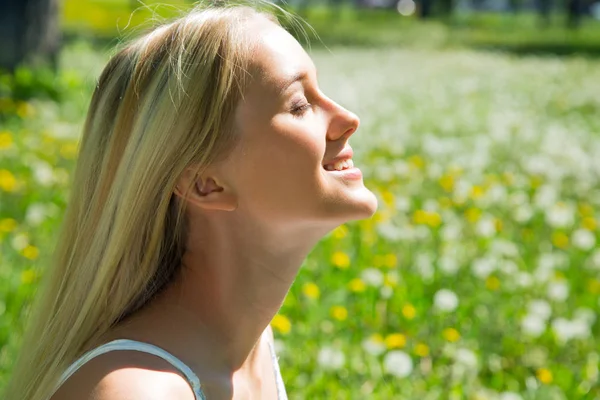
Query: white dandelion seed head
[[398, 364], [331, 358], [445, 300]]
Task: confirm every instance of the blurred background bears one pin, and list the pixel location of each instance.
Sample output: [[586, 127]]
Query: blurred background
[[478, 278]]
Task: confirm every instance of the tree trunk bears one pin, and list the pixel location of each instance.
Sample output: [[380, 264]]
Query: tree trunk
[[29, 32], [574, 9]]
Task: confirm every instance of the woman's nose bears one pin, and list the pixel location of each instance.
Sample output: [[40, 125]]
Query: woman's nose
[[343, 124]]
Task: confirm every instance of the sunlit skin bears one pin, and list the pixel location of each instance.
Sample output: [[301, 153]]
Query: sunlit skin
[[253, 218]]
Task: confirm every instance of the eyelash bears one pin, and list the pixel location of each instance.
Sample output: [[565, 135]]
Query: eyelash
[[300, 109]]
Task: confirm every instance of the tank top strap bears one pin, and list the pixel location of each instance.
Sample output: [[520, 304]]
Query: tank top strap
[[127, 344]]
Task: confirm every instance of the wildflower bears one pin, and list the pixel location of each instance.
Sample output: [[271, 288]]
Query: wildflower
[[7, 225], [340, 260], [466, 357], [398, 364], [281, 323], [390, 260], [473, 214], [356, 285], [68, 151], [395, 341], [340, 232], [409, 311], [339, 312], [422, 350], [372, 277], [391, 279], [589, 223], [558, 291], [560, 240], [492, 283], [510, 396], [30, 252], [331, 358], [445, 300], [311, 290], [8, 182], [28, 276], [533, 325], [431, 218], [374, 344], [540, 308], [447, 182], [583, 239], [451, 335], [561, 215], [544, 375], [5, 140]]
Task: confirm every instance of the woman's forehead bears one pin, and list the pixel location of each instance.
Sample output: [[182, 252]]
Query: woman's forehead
[[278, 59]]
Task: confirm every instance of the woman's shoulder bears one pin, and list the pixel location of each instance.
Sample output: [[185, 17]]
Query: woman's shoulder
[[125, 375]]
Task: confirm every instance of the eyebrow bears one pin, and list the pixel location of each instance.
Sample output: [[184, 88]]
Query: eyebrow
[[290, 80]]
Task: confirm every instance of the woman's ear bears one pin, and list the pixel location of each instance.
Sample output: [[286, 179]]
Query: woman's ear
[[205, 191]]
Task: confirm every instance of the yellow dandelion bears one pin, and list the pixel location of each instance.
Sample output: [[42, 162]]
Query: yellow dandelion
[[24, 109], [340, 259], [378, 260], [382, 216], [340, 232], [451, 335], [6, 140], [498, 224], [8, 182], [395, 341], [422, 350], [311, 290], [388, 198], [447, 182], [68, 151], [430, 218], [477, 192], [30, 252], [281, 323], [508, 178], [416, 162], [445, 202], [7, 225], [356, 285], [339, 312], [492, 283], [473, 214], [593, 286], [391, 279], [390, 260], [585, 210], [560, 240], [589, 223], [544, 375], [28, 276], [536, 181], [409, 311]]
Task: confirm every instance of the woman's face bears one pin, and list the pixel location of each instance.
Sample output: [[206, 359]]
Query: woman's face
[[291, 135]]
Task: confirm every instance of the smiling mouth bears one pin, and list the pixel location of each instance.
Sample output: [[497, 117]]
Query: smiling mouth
[[339, 165]]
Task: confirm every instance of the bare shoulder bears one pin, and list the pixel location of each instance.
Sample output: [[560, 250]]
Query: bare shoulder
[[125, 375]]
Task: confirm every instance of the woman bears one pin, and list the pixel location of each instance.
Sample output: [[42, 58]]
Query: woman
[[210, 165]]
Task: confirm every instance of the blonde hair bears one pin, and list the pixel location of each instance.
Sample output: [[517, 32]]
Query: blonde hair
[[162, 104]]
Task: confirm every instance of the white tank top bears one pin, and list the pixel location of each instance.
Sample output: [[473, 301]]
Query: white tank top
[[126, 344]]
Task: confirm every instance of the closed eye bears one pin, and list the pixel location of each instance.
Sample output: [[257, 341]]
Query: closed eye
[[299, 109]]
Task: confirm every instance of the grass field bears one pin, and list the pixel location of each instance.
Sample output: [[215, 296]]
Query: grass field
[[479, 276]]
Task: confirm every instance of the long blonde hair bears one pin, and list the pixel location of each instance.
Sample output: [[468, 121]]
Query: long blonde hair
[[162, 104]]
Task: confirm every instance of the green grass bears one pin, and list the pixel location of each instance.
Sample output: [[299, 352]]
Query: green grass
[[521, 34], [486, 166]]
